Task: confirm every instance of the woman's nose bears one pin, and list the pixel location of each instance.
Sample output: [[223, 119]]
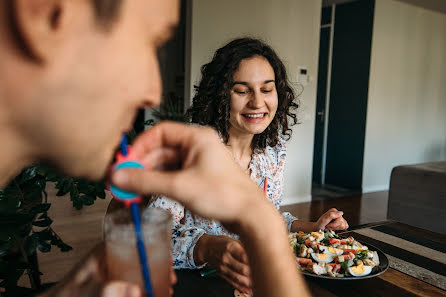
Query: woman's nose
[[256, 100]]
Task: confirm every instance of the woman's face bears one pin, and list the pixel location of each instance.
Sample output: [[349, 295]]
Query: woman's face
[[253, 97]]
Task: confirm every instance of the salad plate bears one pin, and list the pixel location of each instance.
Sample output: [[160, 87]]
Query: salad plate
[[326, 255]]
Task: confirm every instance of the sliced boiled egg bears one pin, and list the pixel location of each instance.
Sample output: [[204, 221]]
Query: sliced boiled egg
[[331, 250], [326, 258], [360, 270], [318, 236]]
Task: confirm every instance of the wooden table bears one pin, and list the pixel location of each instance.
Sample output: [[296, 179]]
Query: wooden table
[[391, 283]]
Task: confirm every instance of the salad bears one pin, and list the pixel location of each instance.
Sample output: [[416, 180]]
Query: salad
[[325, 253]]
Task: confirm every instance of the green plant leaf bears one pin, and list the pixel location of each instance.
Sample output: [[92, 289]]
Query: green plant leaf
[[27, 174], [84, 187], [74, 196], [45, 222], [40, 208], [44, 247], [45, 234], [41, 183], [52, 175], [64, 247], [33, 193], [101, 194], [87, 200]]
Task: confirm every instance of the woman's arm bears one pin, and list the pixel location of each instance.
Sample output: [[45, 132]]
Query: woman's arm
[[331, 220], [184, 238], [208, 182], [228, 256]]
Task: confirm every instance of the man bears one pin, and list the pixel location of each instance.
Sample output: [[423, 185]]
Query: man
[[73, 75]]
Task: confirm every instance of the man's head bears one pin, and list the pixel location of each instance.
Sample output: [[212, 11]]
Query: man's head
[[73, 74]]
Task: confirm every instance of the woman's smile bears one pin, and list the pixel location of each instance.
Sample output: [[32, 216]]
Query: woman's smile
[[254, 118], [253, 98]]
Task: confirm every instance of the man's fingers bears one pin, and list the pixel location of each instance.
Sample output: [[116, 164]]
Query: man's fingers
[[170, 135], [161, 159], [146, 181], [121, 289], [236, 285], [166, 134]]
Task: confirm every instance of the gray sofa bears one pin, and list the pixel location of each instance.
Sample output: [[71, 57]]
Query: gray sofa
[[417, 196]]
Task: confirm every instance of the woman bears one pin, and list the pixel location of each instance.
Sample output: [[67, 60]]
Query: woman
[[244, 94]]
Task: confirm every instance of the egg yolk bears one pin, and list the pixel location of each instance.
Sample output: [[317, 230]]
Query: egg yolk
[[323, 256], [358, 269], [333, 250]]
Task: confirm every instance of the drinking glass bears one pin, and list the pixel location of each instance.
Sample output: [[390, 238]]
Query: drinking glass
[[122, 254]]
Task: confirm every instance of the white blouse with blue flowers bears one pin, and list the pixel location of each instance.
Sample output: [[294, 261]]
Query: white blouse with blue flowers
[[188, 227]]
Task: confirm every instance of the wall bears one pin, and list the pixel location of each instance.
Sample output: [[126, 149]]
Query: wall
[[291, 27], [406, 114]]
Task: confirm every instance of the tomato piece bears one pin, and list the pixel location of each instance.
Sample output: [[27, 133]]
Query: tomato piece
[[347, 251], [336, 267], [303, 261], [344, 258], [312, 244], [334, 241], [338, 241]]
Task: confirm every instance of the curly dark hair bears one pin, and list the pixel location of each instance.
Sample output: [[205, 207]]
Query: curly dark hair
[[211, 103]]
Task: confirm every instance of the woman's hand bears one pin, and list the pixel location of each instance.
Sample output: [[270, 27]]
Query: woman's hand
[[228, 256], [331, 220]]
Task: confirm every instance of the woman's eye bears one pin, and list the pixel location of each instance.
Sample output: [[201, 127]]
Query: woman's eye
[[267, 91], [240, 92]]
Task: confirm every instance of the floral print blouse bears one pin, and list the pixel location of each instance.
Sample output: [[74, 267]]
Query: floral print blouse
[[188, 227]]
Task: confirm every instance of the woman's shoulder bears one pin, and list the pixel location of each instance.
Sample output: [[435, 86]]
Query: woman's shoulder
[[279, 148], [272, 157]]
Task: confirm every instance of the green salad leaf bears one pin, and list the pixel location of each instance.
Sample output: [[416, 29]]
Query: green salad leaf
[[361, 255]]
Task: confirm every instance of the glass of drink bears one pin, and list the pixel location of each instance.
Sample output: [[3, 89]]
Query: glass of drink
[[122, 254]]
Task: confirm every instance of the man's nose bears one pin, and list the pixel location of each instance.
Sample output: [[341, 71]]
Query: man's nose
[[153, 96]]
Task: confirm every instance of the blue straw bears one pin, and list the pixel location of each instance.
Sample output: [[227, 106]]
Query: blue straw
[[139, 236], [141, 248], [124, 145]]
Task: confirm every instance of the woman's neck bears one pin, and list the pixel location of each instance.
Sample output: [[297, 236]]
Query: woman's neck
[[240, 148]]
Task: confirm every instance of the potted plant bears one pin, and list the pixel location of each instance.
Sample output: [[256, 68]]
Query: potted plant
[[25, 225]]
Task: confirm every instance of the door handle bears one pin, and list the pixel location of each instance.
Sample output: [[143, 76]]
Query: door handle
[[321, 114]]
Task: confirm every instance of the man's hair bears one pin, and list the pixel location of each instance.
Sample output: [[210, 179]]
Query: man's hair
[[106, 11]]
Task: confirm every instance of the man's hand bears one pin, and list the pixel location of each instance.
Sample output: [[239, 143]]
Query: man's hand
[[332, 220], [228, 256], [191, 165]]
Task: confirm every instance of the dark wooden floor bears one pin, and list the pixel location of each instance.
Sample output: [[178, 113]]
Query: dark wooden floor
[[358, 209]]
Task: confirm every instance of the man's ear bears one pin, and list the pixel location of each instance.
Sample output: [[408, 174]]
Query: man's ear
[[40, 25]]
